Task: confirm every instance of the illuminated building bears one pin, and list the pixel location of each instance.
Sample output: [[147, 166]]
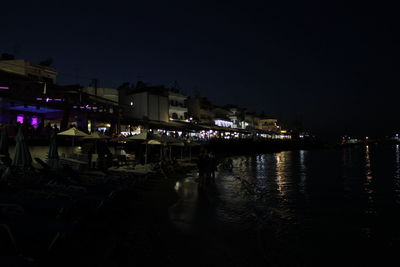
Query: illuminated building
[[177, 106], [38, 104], [252, 120], [269, 125], [236, 116]]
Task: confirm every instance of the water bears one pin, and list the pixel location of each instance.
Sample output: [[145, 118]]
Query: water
[[300, 208]]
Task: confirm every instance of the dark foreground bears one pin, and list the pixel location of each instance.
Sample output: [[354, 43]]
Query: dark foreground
[[293, 208]]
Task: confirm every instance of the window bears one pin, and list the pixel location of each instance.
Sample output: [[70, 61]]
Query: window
[[174, 116]]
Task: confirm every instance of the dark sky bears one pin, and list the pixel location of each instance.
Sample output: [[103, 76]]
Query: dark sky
[[335, 67]]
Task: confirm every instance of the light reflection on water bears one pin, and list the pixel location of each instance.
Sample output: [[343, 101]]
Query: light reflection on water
[[321, 194], [303, 171], [397, 173], [368, 186]]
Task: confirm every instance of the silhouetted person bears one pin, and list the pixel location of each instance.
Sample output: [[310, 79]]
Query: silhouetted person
[[48, 129]]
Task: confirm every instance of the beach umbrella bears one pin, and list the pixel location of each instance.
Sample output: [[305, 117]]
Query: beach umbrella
[[96, 136], [22, 156], [4, 142], [53, 150], [74, 133], [151, 142], [149, 139]]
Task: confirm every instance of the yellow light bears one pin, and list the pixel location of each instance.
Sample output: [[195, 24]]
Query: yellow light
[[283, 131]]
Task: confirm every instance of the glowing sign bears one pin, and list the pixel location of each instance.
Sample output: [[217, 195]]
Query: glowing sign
[[20, 118], [4, 88]]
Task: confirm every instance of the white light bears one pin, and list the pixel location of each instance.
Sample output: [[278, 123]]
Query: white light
[[223, 123], [131, 103]]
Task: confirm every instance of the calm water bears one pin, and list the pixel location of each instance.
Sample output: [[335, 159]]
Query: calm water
[[300, 208]]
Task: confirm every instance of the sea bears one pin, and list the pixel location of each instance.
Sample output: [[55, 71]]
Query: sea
[[327, 207]]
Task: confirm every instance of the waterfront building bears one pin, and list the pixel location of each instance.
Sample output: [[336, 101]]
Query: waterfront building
[[201, 110], [269, 125], [144, 102], [236, 116], [178, 110], [251, 120], [34, 72], [222, 117], [39, 104], [106, 93]]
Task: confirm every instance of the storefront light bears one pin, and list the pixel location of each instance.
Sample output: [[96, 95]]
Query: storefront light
[[35, 122], [20, 118]]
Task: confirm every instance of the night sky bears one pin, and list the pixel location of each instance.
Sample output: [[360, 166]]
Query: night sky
[[334, 67]]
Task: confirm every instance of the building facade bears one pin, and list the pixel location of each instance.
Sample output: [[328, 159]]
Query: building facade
[[106, 93], [201, 110], [177, 106], [269, 125], [251, 121], [144, 102], [33, 71], [222, 117]]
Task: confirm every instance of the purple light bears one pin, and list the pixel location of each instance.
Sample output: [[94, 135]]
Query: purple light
[[48, 99], [57, 99], [4, 88], [81, 107], [20, 118], [34, 122], [75, 106], [39, 98]]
